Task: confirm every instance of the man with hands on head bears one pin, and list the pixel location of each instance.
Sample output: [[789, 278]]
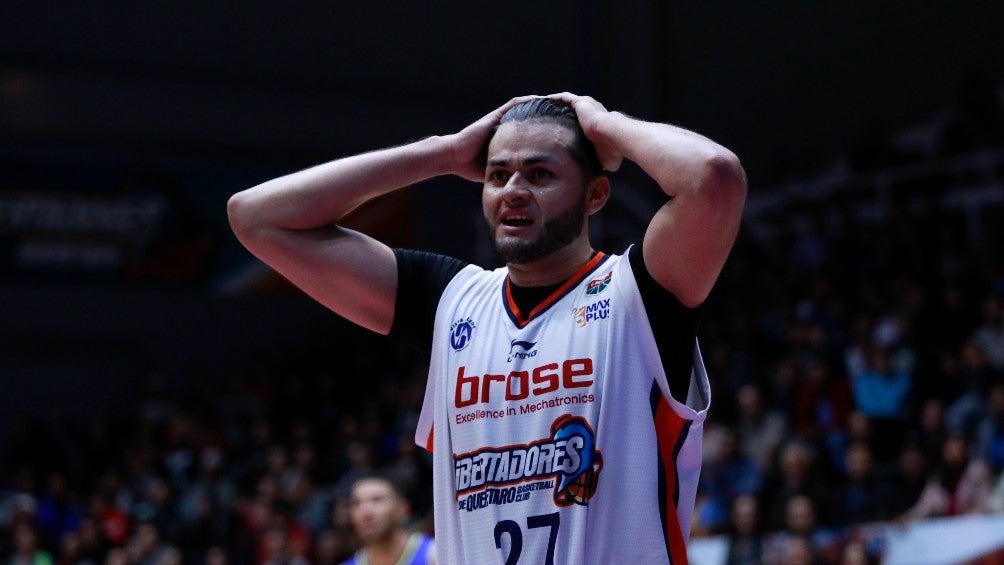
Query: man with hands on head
[[566, 393]]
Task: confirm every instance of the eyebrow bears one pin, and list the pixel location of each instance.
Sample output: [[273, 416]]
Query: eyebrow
[[532, 160]]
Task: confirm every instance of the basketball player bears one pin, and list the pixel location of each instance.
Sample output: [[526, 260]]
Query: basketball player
[[566, 393], [378, 512]]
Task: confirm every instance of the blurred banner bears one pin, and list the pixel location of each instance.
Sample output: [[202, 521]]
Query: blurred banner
[[72, 232], [975, 539], [62, 219], [947, 540]]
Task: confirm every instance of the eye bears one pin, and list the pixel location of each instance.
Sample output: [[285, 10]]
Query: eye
[[498, 176], [540, 174]]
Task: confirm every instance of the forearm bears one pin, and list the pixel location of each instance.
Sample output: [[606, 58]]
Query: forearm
[[321, 195]]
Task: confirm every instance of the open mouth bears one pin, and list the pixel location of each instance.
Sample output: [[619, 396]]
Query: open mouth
[[517, 221]]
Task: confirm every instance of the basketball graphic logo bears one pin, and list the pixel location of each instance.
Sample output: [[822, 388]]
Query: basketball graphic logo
[[580, 486]]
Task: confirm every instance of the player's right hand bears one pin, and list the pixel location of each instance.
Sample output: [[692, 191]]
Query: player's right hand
[[467, 145]]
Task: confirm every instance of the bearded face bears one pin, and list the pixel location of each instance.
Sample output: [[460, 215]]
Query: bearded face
[[558, 231], [534, 196]]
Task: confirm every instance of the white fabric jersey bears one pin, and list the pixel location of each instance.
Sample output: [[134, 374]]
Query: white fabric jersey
[[553, 433]]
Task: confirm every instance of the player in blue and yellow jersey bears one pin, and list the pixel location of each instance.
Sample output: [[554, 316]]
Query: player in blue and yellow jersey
[[378, 511]]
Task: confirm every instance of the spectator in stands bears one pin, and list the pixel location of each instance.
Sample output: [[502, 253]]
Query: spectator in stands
[[800, 525], [795, 477], [798, 551], [330, 548], [216, 556], [118, 556], [745, 536], [863, 496], [727, 476], [909, 478], [277, 549], [959, 486], [58, 513], [108, 522], [989, 441], [930, 433], [761, 431], [989, 336], [822, 404], [855, 552], [881, 392], [360, 464], [972, 376], [26, 547], [146, 547]]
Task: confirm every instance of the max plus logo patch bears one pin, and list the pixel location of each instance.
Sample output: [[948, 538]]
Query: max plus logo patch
[[599, 310]]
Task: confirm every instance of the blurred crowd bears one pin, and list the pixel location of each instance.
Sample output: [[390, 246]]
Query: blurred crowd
[[857, 365], [252, 470], [856, 347]]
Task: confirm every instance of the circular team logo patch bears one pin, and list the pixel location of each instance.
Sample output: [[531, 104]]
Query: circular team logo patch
[[461, 333]]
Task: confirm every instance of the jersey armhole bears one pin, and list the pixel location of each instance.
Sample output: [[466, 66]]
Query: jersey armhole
[[674, 326]]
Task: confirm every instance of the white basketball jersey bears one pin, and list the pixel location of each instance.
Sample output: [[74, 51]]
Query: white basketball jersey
[[553, 433]]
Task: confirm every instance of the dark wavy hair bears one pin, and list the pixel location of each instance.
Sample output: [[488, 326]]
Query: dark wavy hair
[[582, 150]]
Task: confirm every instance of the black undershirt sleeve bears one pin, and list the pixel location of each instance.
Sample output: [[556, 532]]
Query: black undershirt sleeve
[[421, 279], [674, 326]]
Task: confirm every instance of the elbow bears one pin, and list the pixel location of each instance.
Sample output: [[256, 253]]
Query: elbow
[[723, 168], [726, 180], [240, 213], [236, 211]]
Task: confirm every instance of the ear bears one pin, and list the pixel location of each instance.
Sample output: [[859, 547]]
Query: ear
[[597, 193]]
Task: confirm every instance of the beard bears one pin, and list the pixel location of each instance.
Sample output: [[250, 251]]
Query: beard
[[558, 231]]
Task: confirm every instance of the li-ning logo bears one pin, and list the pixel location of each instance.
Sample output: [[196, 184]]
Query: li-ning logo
[[461, 333], [599, 285], [567, 460], [526, 346], [598, 310]]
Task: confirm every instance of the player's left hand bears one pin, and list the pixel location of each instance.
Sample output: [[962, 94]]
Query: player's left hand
[[590, 113]]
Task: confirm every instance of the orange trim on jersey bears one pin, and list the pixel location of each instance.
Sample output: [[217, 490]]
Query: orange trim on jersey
[[670, 429], [428, 441], [575, 279]]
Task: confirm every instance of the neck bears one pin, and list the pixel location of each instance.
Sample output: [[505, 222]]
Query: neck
[[553, 269], [388, 550]]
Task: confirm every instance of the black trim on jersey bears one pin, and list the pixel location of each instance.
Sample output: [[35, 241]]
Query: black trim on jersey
[[421, 279], [673, 325], [684, 433]]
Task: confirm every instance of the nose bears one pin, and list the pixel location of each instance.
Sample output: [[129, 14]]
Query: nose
[[515, 189]]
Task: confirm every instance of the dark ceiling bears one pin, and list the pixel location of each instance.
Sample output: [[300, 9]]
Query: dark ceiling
[[295, 81]]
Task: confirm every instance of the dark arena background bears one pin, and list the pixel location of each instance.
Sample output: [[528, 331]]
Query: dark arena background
[[165, 398]]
